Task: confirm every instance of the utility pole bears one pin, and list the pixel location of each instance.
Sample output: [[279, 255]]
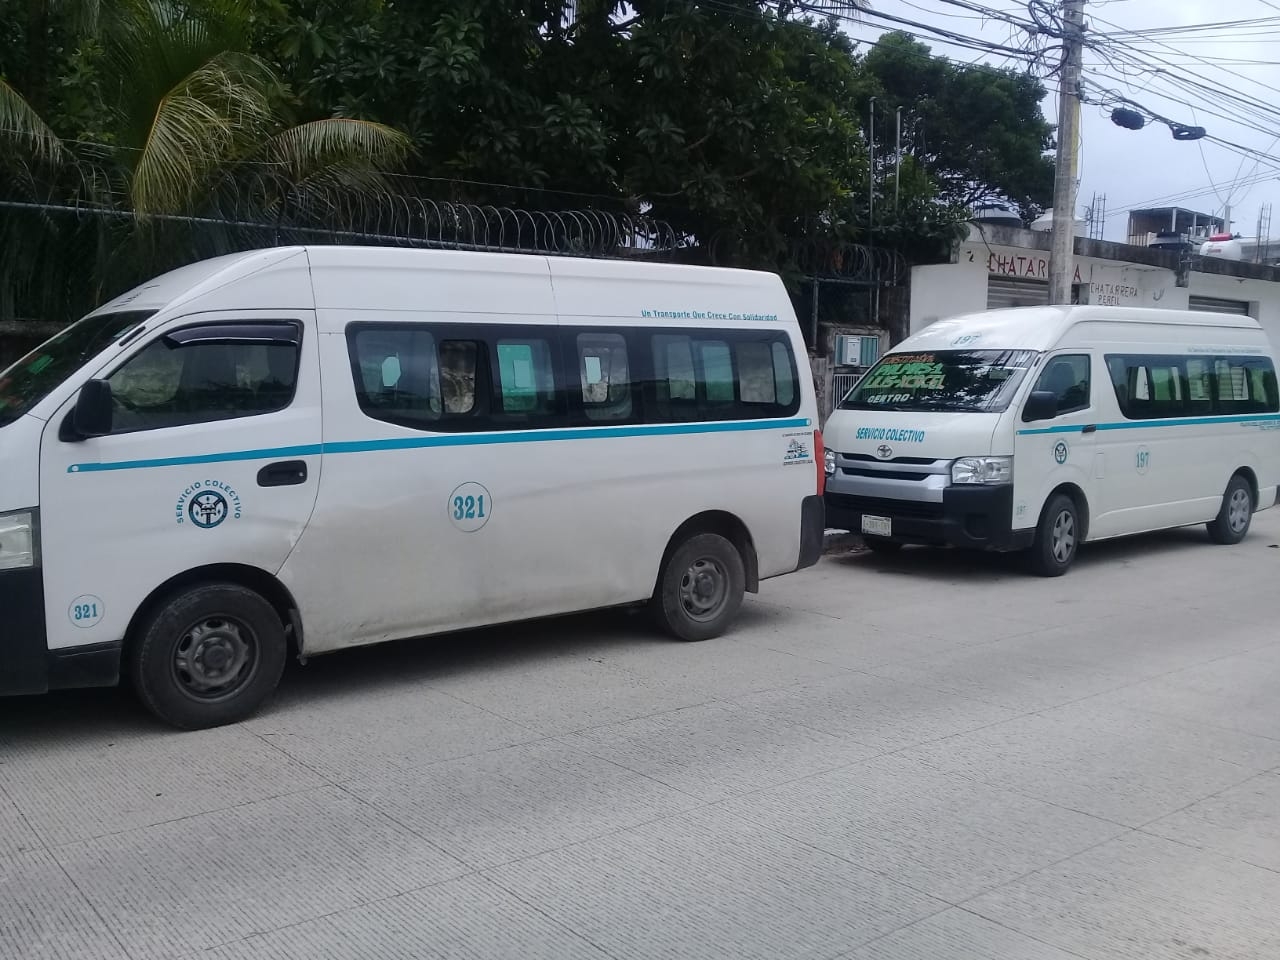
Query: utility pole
[[897, 165], [871, 172], [1061, 255]]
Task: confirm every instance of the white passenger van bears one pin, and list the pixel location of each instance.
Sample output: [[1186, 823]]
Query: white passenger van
[[338, 446], [1041, 428]]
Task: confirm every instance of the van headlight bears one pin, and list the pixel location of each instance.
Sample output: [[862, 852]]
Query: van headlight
[[829, 462], [982, 470], [17, 540]]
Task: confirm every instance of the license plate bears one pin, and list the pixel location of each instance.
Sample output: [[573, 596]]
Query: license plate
[[878, 526]]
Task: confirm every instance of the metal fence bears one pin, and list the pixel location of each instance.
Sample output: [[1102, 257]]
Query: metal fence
[[841, 384]]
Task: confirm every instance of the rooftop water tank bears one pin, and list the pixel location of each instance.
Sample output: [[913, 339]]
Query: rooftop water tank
[[1222, 245]]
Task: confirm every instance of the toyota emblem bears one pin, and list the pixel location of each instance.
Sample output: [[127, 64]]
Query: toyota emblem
[[884, 451]]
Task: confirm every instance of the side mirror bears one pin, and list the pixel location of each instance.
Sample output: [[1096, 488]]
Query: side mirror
[[93, 412], [1041, 405]]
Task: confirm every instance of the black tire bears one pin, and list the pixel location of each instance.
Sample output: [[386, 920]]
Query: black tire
[[207, 656], [1234, 518], [700, 588], [881, 544], [1057, 537]]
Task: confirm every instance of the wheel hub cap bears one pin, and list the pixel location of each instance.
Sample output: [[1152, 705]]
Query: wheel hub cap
[[213, 657], [1064, 536], [704, 589], [1238, 511]]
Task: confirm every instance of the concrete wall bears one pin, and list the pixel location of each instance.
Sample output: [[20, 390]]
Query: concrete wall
[[1111, 273], [945, 289]]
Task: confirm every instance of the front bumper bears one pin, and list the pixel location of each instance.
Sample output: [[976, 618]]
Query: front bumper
[[975, 517], [27, 665], [24, 648]]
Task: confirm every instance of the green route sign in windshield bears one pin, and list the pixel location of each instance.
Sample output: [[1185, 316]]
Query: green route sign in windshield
[[941, 380]]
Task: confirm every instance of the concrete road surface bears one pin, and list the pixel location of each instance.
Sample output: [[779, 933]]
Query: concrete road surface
[[933, 756]]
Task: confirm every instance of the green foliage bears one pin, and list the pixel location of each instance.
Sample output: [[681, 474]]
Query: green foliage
[[978, 130], [743, 123], [182, 113]]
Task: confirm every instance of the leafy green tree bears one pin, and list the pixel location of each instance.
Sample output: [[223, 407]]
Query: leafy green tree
[[180, 114], [977, 130]]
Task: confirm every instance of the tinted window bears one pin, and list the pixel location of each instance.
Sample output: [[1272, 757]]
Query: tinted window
[[456, 377], [405, 375], [605, 376], [526, 381], [1067, 378], [721, 375], [1157, 387], [181, 378], [33, 377], [981, 380]]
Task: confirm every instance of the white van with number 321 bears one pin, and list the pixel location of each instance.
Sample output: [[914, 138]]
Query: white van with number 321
[[326, 447], [1041, 428]]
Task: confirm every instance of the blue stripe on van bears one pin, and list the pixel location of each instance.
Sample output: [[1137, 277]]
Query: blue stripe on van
[[449, 440], [1173, 422]]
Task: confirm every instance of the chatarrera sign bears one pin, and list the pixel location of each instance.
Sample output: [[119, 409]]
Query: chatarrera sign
[[1031, 266]]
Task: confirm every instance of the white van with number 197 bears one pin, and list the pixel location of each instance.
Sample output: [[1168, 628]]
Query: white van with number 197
[[326, 447], [1040, 428]]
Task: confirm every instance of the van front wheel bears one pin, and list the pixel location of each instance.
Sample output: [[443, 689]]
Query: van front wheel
[[1233, 519], [207, 656], [700, 588], [1057, 537]]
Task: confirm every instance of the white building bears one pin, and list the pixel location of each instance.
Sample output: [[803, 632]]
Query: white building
[[998, 266]]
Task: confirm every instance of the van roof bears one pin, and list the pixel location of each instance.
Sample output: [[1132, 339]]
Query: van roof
[[290, 283], [1042, 328]]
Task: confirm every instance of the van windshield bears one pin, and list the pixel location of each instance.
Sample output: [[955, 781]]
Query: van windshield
[[32, 378], [974, 380]]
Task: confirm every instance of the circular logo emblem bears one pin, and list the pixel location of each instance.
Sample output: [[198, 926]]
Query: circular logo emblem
[[1060, 451], [884, 451], [470, 507], [207, 509]]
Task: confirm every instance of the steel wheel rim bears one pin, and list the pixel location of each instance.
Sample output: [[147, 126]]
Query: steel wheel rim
[[1238, 509], [1063, 539], [704, 589], [214, 658]]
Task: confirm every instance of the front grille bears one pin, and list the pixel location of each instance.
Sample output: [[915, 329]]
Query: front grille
[[885, 474], [882, 507], [867, 458]]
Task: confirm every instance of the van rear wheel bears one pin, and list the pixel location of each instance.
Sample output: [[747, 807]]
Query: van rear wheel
[[1236, 514], [207, 656], [700, 588]]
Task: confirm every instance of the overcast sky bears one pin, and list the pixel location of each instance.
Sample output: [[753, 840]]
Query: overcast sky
[[1148, 167]]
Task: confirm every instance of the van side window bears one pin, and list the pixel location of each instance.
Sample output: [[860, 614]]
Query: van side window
[[605, 376], [464, 377], [1200, 386], [1246, 385], [673, 369], [717, 371], [406, 376], [1152, 388], [199, 375], [721, 375], [1067, 378], [1161, 387], [526, 380]]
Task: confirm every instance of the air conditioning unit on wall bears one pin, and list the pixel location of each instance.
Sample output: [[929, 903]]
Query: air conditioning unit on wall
[[857, 351]]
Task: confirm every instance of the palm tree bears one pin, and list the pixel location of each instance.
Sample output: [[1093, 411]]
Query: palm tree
[[196, 123]]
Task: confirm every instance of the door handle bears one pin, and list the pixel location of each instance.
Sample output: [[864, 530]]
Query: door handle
[[1089, 428], [286, 473]]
